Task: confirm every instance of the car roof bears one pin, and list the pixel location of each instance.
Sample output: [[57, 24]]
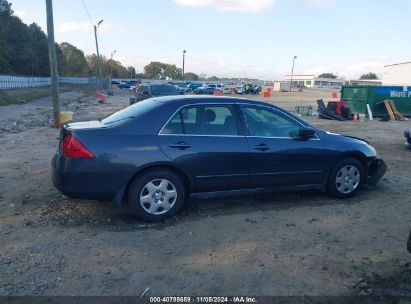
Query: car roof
[[157, 84], [181, 99]]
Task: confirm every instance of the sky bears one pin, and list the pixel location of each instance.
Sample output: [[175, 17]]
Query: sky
[[237, 38]]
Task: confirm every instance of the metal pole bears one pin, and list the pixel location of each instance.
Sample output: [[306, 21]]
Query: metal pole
[[184, 54], [99, 64], [111, 69], [292, 73], [53, 64]]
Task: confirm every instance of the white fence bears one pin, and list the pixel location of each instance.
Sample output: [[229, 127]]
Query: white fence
[[18, 82]]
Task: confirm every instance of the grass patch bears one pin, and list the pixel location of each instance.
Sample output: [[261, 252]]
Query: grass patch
[[27, 97], [20, 96]]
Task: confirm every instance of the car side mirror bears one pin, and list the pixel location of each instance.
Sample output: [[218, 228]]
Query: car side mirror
[[306, 132]]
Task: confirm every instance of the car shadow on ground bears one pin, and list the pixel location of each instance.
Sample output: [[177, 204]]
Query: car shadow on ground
[[101, 215]]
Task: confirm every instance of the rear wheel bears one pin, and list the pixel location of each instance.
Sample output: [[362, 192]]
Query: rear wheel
[[346, 178], [156, 195]]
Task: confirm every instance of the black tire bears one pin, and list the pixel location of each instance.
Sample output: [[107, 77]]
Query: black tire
[[136, 190], [336, 189]]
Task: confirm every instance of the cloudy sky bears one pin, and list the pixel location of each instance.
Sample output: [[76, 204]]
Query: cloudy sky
[[251, 38]]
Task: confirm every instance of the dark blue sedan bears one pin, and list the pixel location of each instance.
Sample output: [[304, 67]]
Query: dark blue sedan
[[156, 153]]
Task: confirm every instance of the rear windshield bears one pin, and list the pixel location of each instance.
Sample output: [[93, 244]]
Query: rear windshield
[[163, 90], [133, 111]]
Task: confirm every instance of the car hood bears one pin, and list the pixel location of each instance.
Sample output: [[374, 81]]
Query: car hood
[[346, 137], [357, 138]]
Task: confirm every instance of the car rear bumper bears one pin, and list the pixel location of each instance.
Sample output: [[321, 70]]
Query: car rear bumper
[[78, 178], [376, 171], [409, 243], [408, 139]]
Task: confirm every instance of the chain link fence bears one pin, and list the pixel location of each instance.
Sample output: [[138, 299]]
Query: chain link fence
[[8, 82]]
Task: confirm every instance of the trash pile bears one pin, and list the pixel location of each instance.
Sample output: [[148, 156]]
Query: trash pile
[[334, 110], [44, 117]]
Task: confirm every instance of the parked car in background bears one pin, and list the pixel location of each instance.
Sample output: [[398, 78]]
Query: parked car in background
[[206, 90], [156, 153], [219, 87], [183, 87], [146, 90], [243, 89], [229, 90], [126, 84], [194, 85], [258, 89]]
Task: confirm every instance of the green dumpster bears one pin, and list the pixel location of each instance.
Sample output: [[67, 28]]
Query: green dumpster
[[357, 98]]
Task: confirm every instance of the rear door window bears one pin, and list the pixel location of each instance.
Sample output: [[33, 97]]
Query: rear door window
[[218, 120]]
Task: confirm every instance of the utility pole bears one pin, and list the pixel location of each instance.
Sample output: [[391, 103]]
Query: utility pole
[[99, 64], [53, 64], [111, 68], [184, 55], [292, 74]]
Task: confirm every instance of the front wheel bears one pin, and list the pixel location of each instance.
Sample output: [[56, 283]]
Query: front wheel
[[346, 178], [156, 195]]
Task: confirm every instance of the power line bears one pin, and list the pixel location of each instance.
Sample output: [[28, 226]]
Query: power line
[[102, 45], [244, 66], [87, 12]]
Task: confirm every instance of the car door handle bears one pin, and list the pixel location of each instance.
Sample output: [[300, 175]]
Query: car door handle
[[261, 147], [180, 145]]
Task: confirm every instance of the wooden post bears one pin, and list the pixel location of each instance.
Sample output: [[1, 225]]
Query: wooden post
[[99, 64], [53, 64]]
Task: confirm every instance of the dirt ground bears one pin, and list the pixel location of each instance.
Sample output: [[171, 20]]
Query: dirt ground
[[273, 244]]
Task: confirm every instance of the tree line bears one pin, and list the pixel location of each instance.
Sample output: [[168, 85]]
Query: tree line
[[24, 51], [367, 76]]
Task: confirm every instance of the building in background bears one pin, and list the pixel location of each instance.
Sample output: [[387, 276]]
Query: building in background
[[365, 82], [397, 74], [311, 81]]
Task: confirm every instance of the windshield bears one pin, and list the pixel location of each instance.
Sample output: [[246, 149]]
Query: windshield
[[163, 90], [131, 111]]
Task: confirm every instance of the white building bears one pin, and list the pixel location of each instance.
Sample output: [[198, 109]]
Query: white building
[[365, 82], [311, 81], [397, 74]]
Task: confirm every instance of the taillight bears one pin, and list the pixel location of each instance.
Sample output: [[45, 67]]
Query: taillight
[[71, 147]]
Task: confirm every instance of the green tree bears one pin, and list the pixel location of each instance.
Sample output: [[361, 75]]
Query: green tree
[[154, 70], [369, 76], [172, 72], [327, 75], [92, 65], [39, 62], [23, 49], [159, 70], [191, 76], [213, 78], [75, 63], [18, 38], [5, 17], [131, 71]]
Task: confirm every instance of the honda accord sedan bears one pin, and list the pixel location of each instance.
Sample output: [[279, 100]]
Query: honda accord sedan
[[157, 153]]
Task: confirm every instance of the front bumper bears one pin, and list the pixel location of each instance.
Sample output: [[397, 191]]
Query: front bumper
[[376, 171]]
